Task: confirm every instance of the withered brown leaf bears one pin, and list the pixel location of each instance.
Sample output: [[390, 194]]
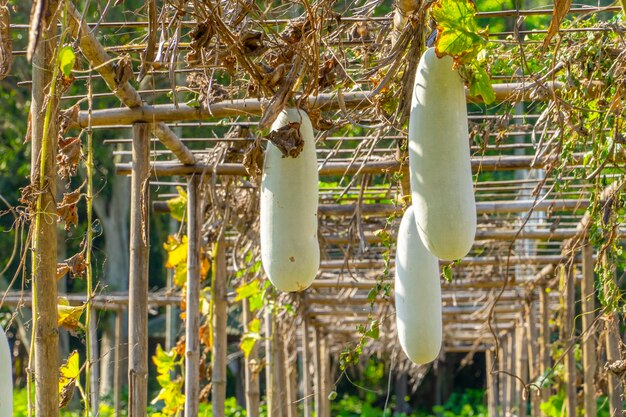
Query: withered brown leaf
[[287, 139], [68, 157], [67, 210]]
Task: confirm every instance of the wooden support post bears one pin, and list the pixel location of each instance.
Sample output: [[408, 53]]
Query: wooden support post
[[272, 395], [43, 228], [138, 274], [117, 374], [587, 295], [281, 379], [616, 389], [317, 364], [306, 358], [521, 367], [326, 383], [544, 341], [510, 368], [613, 342], [94, 360], [502, 377], [220, 314], [291, 370], [567, 277], [192, 311], [532, 337], [491, 388], [251, 372]]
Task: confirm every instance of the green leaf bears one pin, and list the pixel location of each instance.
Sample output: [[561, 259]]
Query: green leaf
[[247, 290], [250, 337], [67, 58], [447, 272], [178, 205], [374, 331], [458, 34], [480, 85]]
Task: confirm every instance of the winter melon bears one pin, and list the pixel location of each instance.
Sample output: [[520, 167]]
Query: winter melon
[[439, 157], [417, 294], [289, 199]]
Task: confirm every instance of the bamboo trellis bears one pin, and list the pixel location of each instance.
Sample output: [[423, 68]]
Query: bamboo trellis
[[499, 302]]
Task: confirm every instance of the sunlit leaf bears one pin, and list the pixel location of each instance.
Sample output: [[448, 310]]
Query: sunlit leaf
[[178, 205], [247, 290], [458, 34], [69, 316], [250, 338], [67, 59], [69, 372], [176, 251], [480, 85]]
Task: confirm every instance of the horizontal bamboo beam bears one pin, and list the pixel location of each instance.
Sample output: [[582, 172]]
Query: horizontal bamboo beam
[[479, 164], [100, 302], [255, 107], [467, 262]]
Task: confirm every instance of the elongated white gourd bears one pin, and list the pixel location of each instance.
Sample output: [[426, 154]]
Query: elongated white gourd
[[289, 199], [439, 159], [418, 294], [6, 377]]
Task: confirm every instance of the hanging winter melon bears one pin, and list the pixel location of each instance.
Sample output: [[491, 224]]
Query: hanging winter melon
[[289, 199], [6, 377], [417, 294], [439, 158]]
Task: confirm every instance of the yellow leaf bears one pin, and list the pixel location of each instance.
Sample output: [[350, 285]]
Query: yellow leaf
[[176, 251], [70, 371], [68, 316]]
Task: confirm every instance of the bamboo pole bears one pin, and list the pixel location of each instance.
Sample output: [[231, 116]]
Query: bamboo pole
[[510, 368], [220, 314], [138, 274], [271, 395], [544, 342], [192, 313], [491, 388], [478, 163], [569, 337], [532, 337], [613, 353], [254, 107], [44, 247], [95, 359], [107, 67], [587, 295], [317, 376], [291, 370], [281, 380], [326, 382], [306, 357], [521, 367], [117, 374], [502, 377], [251, 372]]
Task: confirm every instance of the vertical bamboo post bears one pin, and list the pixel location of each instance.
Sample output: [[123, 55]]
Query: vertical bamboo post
[[317, 364], [281, 379], [306, 357], [510, 368], [220, 314], [251, 374], [117, 374], [44, 247], [272, 396], [192, 313], [613, 354], [533, 354], [326, 376], [94, 374], [521, 366], [587, 296], [613, 341], [138, 274], [503, 378], [544, 341], [567, 277], [491, 385], [291, 370]]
